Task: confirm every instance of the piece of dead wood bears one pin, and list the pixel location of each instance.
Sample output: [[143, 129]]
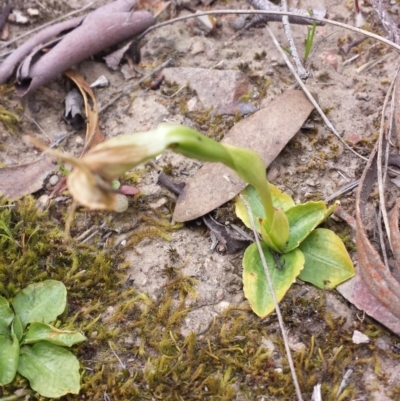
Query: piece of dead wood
[[226, 236], [105, 27], [301, 19], [4, 14], [266, 132], [24, 179], [8, 66]]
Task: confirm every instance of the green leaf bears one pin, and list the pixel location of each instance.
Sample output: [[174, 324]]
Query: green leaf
[[42, 331], [6, 316], [255, 282], [280, 200], [9, 353], [276, 235], [327, 262], [52, 371], [40, 302], [303, 219], [17, 328], [6, 229]]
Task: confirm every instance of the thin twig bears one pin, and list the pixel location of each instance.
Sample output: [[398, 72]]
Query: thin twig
[[293, 50], [6, 44], [308, 94], [281, 13], [276, 304], [381, 160]]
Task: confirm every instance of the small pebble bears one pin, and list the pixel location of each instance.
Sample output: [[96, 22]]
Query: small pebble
[[33, 12], [221, 306], [360, 338], [238, 23], [43, 202], [53, 180], [101, 82], [121, 204]]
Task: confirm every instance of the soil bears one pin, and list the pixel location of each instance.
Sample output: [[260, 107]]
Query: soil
[[155, 254]]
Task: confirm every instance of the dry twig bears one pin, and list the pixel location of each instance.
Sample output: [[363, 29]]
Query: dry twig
[[303, 74]]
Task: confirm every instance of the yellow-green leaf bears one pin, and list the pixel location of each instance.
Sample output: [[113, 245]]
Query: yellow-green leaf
[[303, 219], [327, 262], [255, 282], [276, 234], [280, 200]]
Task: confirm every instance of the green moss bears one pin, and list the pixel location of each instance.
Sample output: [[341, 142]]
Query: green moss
[[8, 117], [135, 349]]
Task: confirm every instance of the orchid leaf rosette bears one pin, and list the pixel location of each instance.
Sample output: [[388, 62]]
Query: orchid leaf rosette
[[292, 245]]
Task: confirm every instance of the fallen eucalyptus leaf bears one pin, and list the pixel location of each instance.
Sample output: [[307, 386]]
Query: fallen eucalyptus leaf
[[24, 179], [357, 292], [266, 132], [378, 278]]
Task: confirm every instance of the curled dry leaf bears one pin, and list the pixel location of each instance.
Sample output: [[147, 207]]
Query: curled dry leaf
[[266, 132], [375, 289], [93, 134], [99, 30], [378, 278]]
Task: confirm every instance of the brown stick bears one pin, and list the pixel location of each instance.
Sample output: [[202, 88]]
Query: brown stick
[[4, 14]]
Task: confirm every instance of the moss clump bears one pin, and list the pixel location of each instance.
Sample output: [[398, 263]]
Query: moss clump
[[135, 349], [9, 119]]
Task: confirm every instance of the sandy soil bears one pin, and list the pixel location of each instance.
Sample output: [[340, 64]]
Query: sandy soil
[[312, 166]]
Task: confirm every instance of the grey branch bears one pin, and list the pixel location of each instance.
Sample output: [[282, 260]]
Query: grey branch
[[387, 21], [301, 19]]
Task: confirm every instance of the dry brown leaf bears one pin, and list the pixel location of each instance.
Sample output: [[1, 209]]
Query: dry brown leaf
[[24, 179], [93, 134], [375, 289], [378, 278], [266, 132], [357, 292]]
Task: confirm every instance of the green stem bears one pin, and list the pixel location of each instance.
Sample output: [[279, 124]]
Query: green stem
[[246, 163]]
